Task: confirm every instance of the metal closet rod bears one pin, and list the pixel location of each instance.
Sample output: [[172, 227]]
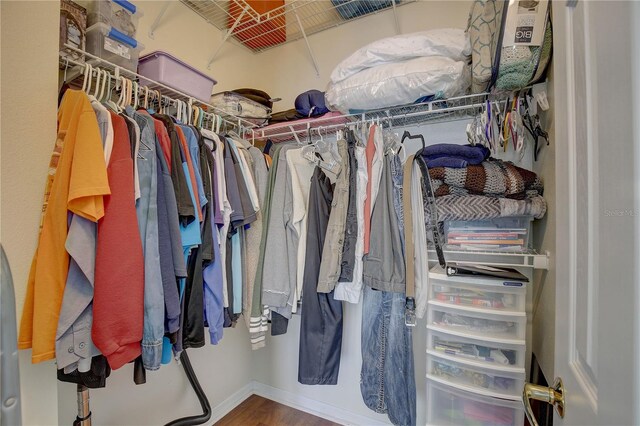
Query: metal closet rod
[[233, 120]]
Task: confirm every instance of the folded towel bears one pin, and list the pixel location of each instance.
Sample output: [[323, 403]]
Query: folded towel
[[464, 154], [452, 162]]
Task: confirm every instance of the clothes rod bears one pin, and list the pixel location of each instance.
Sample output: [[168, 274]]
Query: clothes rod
[[318, 127]]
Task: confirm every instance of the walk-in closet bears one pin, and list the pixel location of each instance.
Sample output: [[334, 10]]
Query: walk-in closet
[[318, 212]]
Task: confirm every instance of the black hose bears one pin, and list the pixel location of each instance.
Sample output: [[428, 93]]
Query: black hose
[[204, 402]]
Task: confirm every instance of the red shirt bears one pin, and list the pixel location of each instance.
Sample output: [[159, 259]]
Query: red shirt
[[118, 301]]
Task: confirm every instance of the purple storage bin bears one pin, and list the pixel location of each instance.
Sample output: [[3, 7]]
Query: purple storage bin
[[168, 70]]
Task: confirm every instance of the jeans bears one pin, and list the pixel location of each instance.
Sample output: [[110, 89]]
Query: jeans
[[387, 378]]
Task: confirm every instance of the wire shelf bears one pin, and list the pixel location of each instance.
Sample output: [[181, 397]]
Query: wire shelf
[[70, 55], [292, 21], [437, 111]]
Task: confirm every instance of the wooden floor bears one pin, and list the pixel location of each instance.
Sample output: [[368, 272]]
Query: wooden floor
[[259, 411]]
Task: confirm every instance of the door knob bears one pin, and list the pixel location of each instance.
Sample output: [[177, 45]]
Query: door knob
[[552, 395]]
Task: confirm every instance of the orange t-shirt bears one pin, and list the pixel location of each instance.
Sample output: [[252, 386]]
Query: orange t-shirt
[[76, 182]]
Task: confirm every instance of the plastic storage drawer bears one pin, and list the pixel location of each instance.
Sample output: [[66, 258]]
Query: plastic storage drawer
[[500, 384], [113, 46], [447, 406], [166, 69], [478, 323], [489, 293], [500, 234], [477, 351], [119, 14]]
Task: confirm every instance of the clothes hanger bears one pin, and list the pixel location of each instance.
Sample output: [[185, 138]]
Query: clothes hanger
[[96, 91], [145, 103], [90, 82], [196, 115], [87, 69], [407, 135], [106, 79]]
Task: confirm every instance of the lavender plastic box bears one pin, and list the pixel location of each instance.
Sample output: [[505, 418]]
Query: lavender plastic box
[[166, 69]]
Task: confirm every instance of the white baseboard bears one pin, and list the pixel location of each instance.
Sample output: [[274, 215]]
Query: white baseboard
[[222, 409], [317, 408]]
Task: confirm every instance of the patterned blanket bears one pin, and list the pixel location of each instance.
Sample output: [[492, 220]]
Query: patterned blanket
[[493, 178], [477, 207]]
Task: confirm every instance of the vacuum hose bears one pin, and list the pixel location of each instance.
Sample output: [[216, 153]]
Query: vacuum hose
[[204, 402]]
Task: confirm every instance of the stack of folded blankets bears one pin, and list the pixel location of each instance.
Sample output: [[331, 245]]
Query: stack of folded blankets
[[470, 185]]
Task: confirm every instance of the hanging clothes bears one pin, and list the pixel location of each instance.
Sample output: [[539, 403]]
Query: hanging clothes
[[147, 213], [119, 262], [77, 182]]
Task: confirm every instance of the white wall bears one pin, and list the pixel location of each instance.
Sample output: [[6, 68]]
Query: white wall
[[544, 236], [287, 71], [29, 102]]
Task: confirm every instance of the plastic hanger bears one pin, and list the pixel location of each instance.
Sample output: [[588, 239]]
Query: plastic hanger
[[87, 69], [407, 135], [106, 79], [90, 80], [98, 81]]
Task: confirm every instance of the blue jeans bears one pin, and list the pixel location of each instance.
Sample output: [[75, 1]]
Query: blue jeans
[[387, 378]]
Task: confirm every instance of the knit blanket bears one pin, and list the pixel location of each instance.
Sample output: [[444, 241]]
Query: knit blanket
[[477, 207], [493, 178]]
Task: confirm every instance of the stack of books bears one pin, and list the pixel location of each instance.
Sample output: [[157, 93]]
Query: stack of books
[[479, 238]]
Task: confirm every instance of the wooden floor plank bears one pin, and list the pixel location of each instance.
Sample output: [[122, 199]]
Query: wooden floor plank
[[259, 411]]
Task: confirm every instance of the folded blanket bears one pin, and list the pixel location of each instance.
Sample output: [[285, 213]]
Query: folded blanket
[[493, 178], [288, 115], [477, 207], [454, 156]]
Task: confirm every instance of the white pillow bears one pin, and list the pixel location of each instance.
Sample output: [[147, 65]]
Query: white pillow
[[450, 42], [399, 84]]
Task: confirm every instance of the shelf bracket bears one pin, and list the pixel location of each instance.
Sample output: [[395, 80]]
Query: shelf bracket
[[226, 36], [155, 24], [306, 40], [395, 16]]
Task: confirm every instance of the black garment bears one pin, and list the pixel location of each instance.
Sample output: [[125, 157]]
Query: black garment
[[193, 329], [131, 128], [206, 170], [284, 116], [351, 226], [321, 322], [279, 324], [95, 378], [139, 372], [186, 209]]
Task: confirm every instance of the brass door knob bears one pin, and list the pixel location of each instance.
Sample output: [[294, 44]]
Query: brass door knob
[[552, 395]]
